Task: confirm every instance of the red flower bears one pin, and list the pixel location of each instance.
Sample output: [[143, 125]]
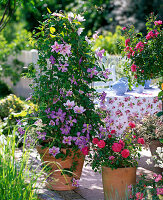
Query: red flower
[[101, 144], [122, 143], [95, 140], [134, 136], [116, 147], [109, 136], [125, 153], [124, 28], [85, 150], [133, 68], [132, 125], [113, 131], [141, 141], [127, 41]]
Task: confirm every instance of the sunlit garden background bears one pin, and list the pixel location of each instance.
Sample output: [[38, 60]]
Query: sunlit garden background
[[81, 80]]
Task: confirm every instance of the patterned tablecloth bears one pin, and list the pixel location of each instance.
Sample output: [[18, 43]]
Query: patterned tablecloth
[[124, 108]]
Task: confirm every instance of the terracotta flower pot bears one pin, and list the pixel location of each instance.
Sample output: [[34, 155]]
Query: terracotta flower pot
[[57, 180], [116, 182]]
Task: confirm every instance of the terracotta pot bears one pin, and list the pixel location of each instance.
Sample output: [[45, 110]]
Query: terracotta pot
[[116, 182], [56, 180], [153, 146]]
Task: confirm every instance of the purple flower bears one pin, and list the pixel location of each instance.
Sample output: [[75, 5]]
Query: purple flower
[[79, 110], [21, 131], [65, 130], [18, 122], [80, 60], [52, 123], [29, 98], [56, 47], [67, 140], [103, 96], [52, 60], [55, 99], [41, 136], [87, 127], [73, 80], [61, 91], [69, 104], [54, 150], [75, 182], [100, 53], [106, 73], [62, 67], [102, 132], [60, 115], [81, 92], [80, 141], [71, 121], [69, 93], [80, 18], [93, 72], [47, 110]]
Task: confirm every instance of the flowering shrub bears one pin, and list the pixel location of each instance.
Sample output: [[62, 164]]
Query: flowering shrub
[[144, 52], [150, 127], [147, 188], [116, 152], [62, 87]]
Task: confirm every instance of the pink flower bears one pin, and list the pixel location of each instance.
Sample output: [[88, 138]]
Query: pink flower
[[62, 67], [124, 28], [69, 93], [80, 30], [141, 141], [79, 110], [87, 40], [152, 34], [125, 153], [54, 151], [92, 71], [67, 140], [159, 191], [111, 157], [132, 124], [139, 195], [95, 140], [80, 18], [100, 53], [69, 104], [127, 42], [116, 147], [81, 92], [75, 182], [159, 22], [95, 36], [122, 143], [133, 68], [56, 47], [158, 178], [66, 49], [113, 131], [85, 150], [140, 46], [101, 144]]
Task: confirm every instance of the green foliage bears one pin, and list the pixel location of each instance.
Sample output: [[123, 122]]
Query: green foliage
[[18, 181], [4, 89], [111, 42]]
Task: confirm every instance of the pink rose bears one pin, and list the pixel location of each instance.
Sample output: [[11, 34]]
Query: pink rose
[[127, 41], [139, 195], [116, 147], [159, 22], [122, 143], [124, 28], [159, 191], [111, 158], [85, 150], [133, 68], [101, 144], [125, 153], [132, 125], [141, 141], [95, 140], [159, 178]]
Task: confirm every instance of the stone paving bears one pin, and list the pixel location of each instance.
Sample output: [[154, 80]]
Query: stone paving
[[90, 183]]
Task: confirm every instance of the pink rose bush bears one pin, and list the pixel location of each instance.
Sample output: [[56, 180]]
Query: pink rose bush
[[141, 51], [111, 150]]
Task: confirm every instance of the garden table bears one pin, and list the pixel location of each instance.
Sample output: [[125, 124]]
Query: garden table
[[132, 105]]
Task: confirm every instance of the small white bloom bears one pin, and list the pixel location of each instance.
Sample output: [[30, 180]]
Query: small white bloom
[[80, 30], [148, 161], [70, 16], [158, 150], [87, 40], [80, 18]]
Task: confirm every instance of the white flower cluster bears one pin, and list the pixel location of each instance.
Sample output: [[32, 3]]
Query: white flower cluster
[[159, 157]]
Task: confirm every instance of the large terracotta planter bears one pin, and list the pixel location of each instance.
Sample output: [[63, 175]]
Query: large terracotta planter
[[56, 180], [116, 182]]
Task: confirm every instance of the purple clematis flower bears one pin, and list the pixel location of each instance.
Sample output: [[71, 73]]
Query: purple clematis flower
[[71, 121], [69, 93], [93, 72], [52, 60], [21, 131], [73, 80], [67, 140], [75, 182], [79, 110], [65, 130], [69, 104], [100, 53], [56, 47], [62, 67], [52, 123], [41, 135], [60, 115], [87, 127], [54, 150]]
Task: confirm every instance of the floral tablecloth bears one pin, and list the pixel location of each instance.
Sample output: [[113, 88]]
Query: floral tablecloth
[[133, 105]]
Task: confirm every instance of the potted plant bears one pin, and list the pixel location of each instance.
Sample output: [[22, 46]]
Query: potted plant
[[117, 157], [63, 93], [151, 128], [144, 53]]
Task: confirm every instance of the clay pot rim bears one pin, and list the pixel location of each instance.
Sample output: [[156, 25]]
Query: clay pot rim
[[120, 168]]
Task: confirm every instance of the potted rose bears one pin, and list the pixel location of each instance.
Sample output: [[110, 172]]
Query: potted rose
[[144, 53], [117, 156], [63, 93], [151, 128]]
